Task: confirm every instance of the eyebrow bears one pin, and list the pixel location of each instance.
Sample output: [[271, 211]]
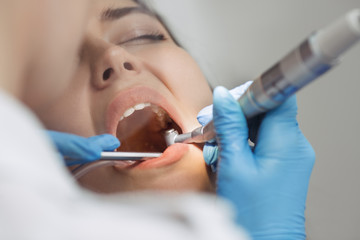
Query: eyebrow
[[112, 14]]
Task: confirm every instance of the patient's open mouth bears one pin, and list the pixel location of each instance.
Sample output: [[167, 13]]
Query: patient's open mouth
[[141, 128]]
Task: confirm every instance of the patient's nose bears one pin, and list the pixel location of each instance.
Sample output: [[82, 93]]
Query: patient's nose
[[113, 64], [110, 71]]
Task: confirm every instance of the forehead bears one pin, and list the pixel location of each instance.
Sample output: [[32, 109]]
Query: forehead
[[97, 7], [105, 13]]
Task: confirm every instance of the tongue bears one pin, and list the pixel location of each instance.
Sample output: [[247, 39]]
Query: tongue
[[143, 131]]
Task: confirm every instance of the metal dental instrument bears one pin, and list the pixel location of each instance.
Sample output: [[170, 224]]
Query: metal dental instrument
[[312, 58], [117, 156], [111, 159], [128, 156]]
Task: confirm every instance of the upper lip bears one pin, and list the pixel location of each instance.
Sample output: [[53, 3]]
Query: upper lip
[[135, 95]]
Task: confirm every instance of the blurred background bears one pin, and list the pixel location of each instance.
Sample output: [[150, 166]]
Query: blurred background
[[236, 40]]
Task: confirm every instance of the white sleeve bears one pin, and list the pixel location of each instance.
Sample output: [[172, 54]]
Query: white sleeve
[[39, 199]]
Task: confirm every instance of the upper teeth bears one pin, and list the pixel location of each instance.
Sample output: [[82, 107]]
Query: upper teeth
[[141, 106], [131, 110]]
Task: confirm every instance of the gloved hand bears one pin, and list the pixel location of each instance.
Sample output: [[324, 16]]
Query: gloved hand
[[267, 186], [79, 150], [210, 150]]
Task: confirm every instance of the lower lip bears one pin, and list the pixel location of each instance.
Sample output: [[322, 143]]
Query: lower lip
[[171, 155]]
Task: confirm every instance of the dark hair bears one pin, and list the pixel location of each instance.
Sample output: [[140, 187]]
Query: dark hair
[[161, 20]]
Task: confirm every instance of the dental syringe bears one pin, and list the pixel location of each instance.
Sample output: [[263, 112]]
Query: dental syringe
[[312, 58]]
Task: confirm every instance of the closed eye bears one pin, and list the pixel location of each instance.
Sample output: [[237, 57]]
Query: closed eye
[[145, 39]]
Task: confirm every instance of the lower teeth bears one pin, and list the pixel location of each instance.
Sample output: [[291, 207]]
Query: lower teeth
[[130, 162]]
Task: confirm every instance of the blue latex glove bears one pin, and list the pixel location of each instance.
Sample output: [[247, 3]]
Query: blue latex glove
[[79, 150], [210, 150], [268, 186]]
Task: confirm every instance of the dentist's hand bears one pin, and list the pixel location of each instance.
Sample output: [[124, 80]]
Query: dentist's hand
[[267, 186], [79, 150], [210, 150]]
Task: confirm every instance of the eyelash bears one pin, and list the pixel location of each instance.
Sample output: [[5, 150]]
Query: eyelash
[[153, 37]]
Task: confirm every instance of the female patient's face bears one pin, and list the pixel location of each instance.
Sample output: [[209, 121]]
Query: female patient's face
[[134, 82]]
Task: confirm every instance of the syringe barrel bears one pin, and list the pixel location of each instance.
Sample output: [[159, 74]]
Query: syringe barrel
[[312, 58]]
